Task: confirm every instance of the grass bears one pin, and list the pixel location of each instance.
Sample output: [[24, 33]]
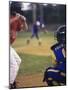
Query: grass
[[22, 37], [32, 64]]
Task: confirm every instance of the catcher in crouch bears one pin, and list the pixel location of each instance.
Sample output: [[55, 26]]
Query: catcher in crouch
[[17, 22], [56, 75]]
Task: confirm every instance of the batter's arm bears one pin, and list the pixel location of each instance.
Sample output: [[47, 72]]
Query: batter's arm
[[24, 25]]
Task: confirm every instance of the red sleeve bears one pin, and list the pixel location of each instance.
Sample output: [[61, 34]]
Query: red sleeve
[[19, 25]]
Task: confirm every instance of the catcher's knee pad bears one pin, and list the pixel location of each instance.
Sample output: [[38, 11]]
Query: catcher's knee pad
[[53, 76], [46, 75]]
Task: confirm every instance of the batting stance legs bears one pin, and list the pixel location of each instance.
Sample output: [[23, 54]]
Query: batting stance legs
[[14, 66]]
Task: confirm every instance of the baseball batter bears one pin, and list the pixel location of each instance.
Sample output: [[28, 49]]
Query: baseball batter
[[17, 23]]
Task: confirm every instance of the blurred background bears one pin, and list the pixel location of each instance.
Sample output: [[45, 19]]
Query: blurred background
[[50, 15]]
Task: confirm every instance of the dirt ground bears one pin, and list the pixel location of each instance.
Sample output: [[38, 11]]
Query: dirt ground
[[43, 50], [34, 80]]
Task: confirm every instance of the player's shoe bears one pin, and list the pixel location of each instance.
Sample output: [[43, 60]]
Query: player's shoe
[[12, 86], [40, 42], [28, 41]]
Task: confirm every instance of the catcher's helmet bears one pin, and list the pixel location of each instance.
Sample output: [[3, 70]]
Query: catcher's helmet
[[61, 34]]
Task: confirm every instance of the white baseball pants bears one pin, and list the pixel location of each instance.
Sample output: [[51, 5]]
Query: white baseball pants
[[14, 65]]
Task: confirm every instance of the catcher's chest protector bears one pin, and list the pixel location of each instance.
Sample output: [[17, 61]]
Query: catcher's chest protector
[[57, 49]]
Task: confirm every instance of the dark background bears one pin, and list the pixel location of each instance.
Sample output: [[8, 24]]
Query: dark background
[[52, 16]]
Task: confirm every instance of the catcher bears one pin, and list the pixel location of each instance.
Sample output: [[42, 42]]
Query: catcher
[[56, 75], [17, 23]]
